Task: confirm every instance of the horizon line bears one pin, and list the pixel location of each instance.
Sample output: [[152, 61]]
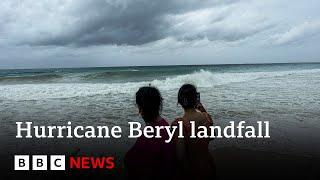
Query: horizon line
[[83, 67]]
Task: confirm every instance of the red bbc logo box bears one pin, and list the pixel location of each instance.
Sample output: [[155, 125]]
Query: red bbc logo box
[[39, 162]]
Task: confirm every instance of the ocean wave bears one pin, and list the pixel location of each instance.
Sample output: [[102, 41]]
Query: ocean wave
[[98, 75], [30, 78], [205, 78], [109, 74], [201, 79], [129, 70]]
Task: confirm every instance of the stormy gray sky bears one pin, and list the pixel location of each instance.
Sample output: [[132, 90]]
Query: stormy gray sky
[[77, 33]]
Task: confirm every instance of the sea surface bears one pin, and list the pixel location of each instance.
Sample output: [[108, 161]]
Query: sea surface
[[287, 95]]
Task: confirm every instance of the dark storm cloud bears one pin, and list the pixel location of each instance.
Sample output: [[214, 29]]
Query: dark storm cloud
[[134, 24], [73, 33], [106, 22]]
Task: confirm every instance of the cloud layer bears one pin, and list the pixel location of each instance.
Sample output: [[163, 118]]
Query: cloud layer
[[298, 33], [127, 22], [81, 22], [52, 29]]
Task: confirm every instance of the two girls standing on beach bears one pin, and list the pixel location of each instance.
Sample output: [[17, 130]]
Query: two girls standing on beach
[[152, 158]]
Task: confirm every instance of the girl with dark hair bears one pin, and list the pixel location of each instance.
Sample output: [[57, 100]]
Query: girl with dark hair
[[192, 154], [150, 158]]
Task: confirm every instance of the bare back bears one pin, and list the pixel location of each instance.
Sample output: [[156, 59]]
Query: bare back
[[195, 151]]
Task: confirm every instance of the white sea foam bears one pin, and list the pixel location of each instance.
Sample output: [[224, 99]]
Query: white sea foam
[[210, 79], [69, 90]]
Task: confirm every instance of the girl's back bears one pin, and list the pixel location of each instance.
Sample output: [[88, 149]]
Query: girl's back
[[199, 161]]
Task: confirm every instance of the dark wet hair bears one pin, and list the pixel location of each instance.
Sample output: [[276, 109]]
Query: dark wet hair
[[149, 102], [187, 96]]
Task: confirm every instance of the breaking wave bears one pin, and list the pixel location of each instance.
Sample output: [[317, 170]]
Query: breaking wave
[[201, 79]]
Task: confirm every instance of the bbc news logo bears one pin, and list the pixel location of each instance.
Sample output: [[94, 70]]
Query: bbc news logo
[[58, 162], [39, 162]]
